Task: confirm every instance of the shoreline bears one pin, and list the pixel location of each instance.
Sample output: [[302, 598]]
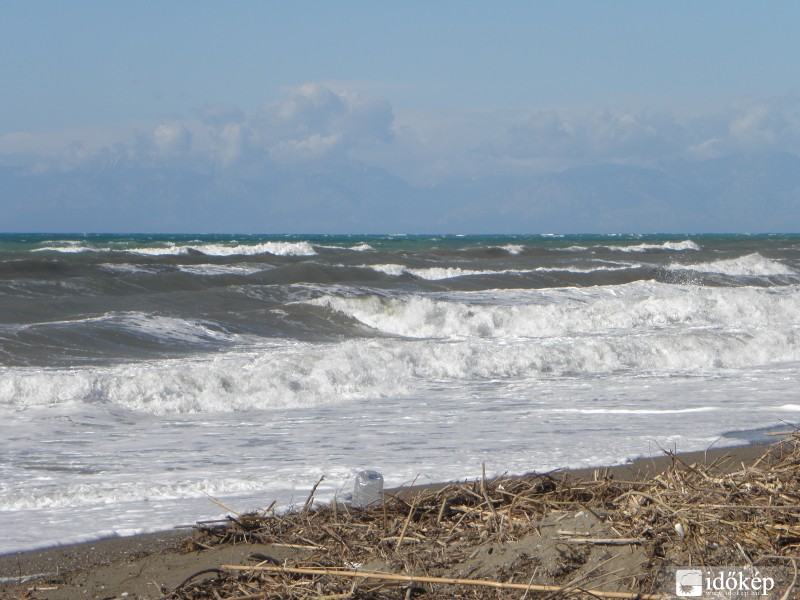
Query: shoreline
[[86, 562]]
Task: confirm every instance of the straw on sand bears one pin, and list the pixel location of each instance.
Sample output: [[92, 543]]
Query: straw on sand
[[489, 538]]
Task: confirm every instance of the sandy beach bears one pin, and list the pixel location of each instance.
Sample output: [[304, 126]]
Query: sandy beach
[[526, 544]]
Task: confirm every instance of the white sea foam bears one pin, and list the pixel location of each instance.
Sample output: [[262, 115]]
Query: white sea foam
[[637, 328], [158, 469], [167, 250], [636, 307], [80, 495], [303, 375], [128, 268], [388, 269], [302, 248], [635, 411], [275, 248], [66, 247], [435, 273], [213, 270], [673, 246], [743, 266], [291, 376], [622, 267], [513, 249], [362, 247]]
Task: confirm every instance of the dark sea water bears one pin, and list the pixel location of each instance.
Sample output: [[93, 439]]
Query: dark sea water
[[140, 373]]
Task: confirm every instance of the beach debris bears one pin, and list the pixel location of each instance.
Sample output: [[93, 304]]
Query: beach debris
[[680, 530], [414, 579], [542, 535], [367, 488]]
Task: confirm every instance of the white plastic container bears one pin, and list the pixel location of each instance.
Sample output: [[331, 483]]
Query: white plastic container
[[367, 488]]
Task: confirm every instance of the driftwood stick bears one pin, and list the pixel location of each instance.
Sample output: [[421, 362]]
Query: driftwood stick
[[581, 578], [299, 546], [445, 580], [405, 525], [652, 499], [441, 511], [218, 503], [605, 541], [495, 519], [310, 501]]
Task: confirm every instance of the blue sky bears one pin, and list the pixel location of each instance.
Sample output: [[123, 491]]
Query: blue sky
[[428, 91], [78, 63]]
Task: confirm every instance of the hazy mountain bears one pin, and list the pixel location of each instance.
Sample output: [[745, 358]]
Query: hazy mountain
[[735, 193]]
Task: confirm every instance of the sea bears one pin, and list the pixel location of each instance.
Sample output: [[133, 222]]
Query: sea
[[151, 381]]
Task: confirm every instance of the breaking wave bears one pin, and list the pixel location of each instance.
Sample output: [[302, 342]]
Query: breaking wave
[[750, 265], [274, 248], [435, 273], [302, 248], [634, 307], [512, 249], [304, 375], [671, 246]]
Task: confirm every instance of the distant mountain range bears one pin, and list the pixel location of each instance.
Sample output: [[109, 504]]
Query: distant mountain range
[[753, 193]]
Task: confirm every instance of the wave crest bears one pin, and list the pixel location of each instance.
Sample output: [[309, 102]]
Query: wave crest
[[301, 248], [636, 308], [751, 265]]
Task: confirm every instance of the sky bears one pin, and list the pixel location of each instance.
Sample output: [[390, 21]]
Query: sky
[[430, 92]]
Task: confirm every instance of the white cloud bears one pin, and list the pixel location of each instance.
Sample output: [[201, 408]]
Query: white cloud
[[750, 125], [232, 142], [312, 146], [74, 156], [172, 139], [311, 121]]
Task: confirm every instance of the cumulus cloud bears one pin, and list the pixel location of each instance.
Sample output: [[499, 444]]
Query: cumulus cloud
[[75, 155], [172, 139], [232, 142], [750, 125], [308, 122], [312, 121]]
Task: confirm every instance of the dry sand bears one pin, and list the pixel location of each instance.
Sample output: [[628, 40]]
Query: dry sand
[[150, 566]]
